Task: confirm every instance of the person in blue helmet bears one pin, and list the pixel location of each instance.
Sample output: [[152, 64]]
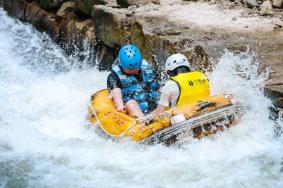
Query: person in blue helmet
[[132, 83]]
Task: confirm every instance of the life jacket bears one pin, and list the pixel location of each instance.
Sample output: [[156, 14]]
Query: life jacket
[[142, 91], [193, 86]]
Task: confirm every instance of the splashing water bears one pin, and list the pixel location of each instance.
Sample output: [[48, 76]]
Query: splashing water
[[43, 142]]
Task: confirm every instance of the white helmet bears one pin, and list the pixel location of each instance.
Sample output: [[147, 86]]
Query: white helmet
[[176, 60]]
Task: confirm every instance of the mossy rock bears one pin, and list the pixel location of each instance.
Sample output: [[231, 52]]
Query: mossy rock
[[51, 4], [86, 5]]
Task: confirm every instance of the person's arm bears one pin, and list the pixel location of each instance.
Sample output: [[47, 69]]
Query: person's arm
[[114, 87], [117, 98], [169, 92], [164, 101]]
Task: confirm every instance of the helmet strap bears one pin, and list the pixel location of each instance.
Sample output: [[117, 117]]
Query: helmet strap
[[170, 73], [176, 71]]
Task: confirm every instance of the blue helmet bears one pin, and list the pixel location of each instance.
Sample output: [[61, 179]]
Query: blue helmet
[[130, 57]]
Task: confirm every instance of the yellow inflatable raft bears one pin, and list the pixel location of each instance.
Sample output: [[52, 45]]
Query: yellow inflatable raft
[[198, 119]]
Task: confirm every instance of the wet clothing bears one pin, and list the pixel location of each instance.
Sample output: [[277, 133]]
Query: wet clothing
[[141, 87], [169, 94], [184, 88]]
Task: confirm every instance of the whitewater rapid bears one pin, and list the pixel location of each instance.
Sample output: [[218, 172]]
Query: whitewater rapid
[[44, 96]]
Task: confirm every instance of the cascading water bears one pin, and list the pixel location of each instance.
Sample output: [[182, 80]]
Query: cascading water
[[43, 142]]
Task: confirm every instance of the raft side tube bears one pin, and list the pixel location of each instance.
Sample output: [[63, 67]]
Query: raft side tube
[[119, 124], [228, 116]]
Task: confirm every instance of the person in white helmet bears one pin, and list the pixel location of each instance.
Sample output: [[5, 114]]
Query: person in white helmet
[[184, 85]]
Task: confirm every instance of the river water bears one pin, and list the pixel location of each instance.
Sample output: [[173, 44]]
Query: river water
[[44, 95]]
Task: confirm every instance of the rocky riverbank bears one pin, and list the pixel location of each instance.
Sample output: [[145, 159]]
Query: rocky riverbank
[[201, 30]]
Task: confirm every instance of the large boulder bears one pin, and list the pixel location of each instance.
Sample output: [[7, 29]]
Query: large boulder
[[41, 20], [50, 4], [127, 3], [112, 25], [156, 38], [66, 10], [86, 6], [277, 3], [251, 3], [266, 8], [73, 34]]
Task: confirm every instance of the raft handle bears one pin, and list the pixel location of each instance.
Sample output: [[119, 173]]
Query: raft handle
[[205, 104]]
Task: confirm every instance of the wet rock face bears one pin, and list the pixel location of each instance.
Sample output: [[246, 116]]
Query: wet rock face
[[41, 19], [111, 25], [85, 6], [251, 3], [15, 7], [276, 96], [67, 28], [279, 103], [50, 4], [127, 3], [66, 9], [155, 38], [105, 56]]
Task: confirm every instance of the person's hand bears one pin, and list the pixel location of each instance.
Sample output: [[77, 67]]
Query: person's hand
[[145, 119], [140, 119], [121, 108]]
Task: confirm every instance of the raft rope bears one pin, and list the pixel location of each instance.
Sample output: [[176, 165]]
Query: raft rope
[[118, 136], [96, 117]]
